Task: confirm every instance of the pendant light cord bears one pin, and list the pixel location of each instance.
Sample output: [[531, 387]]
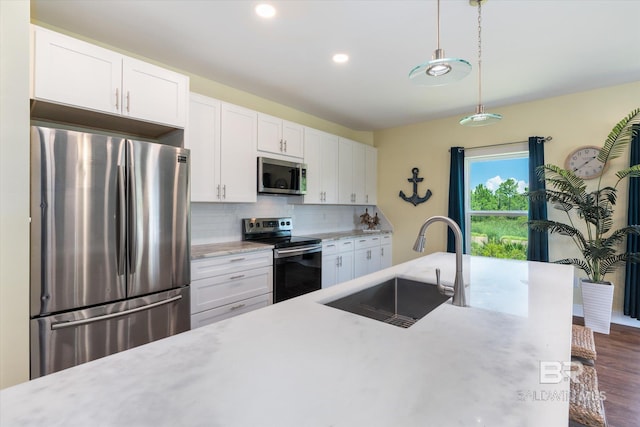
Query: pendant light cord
[[479, 52], [438, 26]]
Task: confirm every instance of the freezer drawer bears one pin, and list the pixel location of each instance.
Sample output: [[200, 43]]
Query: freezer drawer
[[64, 340]]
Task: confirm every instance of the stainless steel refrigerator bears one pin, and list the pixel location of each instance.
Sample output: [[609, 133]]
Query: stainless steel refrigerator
[[110, 245]]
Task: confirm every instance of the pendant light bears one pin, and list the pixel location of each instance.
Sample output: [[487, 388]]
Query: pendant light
[[480, 118], [440, 70]]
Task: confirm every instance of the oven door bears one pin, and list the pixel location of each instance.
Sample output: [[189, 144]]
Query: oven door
[[296, 271]]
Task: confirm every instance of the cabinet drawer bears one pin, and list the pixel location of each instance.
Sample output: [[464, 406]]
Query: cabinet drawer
[[217, 291], [367, 242], [230, 310], [386, 239], [330, 248], [346, 245], [210, 267]]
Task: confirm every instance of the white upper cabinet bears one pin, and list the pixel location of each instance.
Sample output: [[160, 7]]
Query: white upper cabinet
[[321, 157], [371, 175], [153, 93], [351, 173], [279, 136], [222, 140], [79, 74], [202, 137], [238, 167]]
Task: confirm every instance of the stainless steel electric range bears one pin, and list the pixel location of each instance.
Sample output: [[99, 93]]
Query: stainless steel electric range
[[297, 260]]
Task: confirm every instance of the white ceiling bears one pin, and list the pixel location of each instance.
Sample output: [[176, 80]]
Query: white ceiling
[[532, 49]]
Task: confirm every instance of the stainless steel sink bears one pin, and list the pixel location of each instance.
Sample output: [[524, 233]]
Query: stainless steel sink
[[400, 302]]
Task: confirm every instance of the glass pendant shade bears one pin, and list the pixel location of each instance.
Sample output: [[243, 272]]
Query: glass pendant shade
[[480, 118], [440, 70]]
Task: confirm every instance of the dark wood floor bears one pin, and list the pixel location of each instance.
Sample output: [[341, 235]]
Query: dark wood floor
[[618, 368]]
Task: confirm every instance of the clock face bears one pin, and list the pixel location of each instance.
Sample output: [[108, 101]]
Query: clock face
[[584, 163]]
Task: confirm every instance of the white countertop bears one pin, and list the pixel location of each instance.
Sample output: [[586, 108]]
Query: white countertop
[[301, 363]]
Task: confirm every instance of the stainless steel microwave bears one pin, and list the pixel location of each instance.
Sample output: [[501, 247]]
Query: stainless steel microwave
[[281, 177]]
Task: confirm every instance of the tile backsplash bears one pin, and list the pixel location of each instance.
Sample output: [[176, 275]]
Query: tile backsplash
[[220, 222]]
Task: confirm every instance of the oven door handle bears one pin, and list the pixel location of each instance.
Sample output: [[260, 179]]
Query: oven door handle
[[283, 253]]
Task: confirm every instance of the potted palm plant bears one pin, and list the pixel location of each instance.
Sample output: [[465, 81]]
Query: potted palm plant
[[589, 218]]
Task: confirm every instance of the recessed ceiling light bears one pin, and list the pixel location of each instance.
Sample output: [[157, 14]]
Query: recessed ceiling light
[[340, 58], [265, 10]]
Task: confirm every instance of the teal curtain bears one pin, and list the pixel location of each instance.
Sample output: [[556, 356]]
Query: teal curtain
[[538, 249], [632, 276], [456, 195]]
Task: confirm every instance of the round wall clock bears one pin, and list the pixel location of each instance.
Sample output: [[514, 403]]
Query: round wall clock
[[584, 162]]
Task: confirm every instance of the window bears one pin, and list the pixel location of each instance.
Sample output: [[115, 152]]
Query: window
[[496, 208]]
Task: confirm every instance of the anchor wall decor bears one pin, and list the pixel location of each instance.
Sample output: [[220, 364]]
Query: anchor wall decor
[[415, 199]]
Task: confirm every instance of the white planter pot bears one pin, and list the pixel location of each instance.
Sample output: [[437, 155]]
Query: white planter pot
[[597, 300]]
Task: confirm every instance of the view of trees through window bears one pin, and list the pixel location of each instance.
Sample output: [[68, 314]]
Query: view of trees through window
[[497, 206]]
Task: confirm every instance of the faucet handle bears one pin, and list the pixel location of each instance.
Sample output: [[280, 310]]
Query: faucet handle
[[444, 289]]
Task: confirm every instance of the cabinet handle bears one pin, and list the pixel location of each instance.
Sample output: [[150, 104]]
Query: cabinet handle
[[381, 251], [347, 243], [235, 307], [117, 99], [367, 198], [128, 102], [236, 259], [224, 191], [218, 192], [330, 246], [239, 276], [285, 145], [337, 261], [281, 145], [340, 260]]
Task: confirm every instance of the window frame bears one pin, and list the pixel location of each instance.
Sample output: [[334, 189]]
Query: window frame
[[516, 150]]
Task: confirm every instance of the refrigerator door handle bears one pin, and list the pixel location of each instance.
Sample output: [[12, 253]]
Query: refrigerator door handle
[[122, 220], [131, 205], [62, 325]]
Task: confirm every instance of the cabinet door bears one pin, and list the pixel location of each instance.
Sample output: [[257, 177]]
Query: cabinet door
[[270, 134], [292, 135], [385, 256], [345, 172], [313, 141], [346, 265], [202, 137], [361, 262], [238, 154], [371, 175], [329, 270], [73, 72], [359, 175], [329, 158], [153, 93]]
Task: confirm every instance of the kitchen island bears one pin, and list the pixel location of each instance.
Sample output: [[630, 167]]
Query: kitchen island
[[302, 363]]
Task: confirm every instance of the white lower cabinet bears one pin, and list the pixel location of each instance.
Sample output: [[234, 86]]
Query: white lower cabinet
[[346, 259], [226, 286], [337, 262], [367, 255], [386, 248]]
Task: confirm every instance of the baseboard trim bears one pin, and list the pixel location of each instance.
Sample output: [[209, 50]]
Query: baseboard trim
[[616, 317]]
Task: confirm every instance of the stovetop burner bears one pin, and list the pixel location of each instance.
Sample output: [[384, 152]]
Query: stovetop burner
[[274, 231]]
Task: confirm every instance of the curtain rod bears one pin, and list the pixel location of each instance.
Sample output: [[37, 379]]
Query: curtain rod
[[540, 139]]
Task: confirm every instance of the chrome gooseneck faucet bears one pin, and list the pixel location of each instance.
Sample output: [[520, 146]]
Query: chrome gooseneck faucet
[[457, 290]]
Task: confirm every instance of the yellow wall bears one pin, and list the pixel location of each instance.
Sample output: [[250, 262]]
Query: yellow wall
[[584, 118], [14, 192]]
